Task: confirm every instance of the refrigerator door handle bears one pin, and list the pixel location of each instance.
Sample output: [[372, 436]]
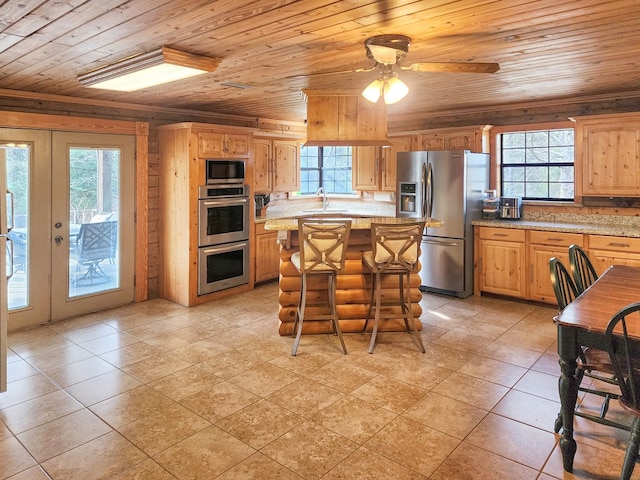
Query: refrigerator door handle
[[430, 191], [445, 244], [423, 184]]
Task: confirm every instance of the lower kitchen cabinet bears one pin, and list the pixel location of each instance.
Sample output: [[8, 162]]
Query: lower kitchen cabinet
[[605, 251], [500, 261], [542, 246], [267, 256]]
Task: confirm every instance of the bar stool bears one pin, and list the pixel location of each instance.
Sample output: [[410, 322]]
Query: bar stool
[[396, 249], [323, 248]]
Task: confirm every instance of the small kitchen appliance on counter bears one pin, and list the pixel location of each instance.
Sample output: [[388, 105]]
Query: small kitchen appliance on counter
[[490, 205], [261, 201], [510, 208]]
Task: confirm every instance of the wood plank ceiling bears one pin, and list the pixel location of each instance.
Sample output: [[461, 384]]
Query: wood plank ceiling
[[547, 50]]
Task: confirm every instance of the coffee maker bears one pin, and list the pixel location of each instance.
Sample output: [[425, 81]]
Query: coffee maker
[[261, 201]]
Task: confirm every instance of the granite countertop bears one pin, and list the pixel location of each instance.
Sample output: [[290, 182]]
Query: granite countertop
[[619, 229], [357, 223]]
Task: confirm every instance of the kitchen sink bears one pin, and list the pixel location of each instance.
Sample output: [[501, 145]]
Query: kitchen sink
[[325, 210]]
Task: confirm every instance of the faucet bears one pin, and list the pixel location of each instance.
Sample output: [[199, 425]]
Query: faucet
[[325, 200]]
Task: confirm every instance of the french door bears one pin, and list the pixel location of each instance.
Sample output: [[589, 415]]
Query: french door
[[73, 241]]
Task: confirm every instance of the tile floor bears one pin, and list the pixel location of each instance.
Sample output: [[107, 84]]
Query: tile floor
[[159, 391]]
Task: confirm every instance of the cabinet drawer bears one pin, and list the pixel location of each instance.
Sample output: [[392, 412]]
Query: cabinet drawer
[[619, 244], [506, 234], [555, 238]]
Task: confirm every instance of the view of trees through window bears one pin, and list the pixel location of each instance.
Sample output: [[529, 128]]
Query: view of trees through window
[[327, 167], [538, 164]]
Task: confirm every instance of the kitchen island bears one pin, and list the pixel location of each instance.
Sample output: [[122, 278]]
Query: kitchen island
[[353, 287]]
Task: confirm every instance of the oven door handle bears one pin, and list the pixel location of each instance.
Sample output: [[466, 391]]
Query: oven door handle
[[226, 248], [227, 201]]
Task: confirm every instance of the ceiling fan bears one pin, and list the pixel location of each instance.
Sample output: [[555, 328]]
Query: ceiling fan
[[387, 51]]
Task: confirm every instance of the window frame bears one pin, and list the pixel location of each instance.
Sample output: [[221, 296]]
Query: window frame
[[320, 170], [496, 156]]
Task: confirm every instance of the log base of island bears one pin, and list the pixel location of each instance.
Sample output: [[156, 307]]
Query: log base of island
[[353, 293]]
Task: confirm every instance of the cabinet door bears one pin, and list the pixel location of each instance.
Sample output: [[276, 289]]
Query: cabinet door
[[211, 145], [262, 164], [611, 159], [540, 287], [267, 257], [605, 251], [365, 168], [237, 145], [462, 141], [286, 166], [433, 141], [502, 270], [389, 161]]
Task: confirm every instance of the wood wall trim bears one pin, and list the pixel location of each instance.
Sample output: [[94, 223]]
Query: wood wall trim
[[95, 125]]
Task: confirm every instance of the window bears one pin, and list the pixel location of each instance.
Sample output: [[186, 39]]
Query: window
[[327, 167], [538, 164]]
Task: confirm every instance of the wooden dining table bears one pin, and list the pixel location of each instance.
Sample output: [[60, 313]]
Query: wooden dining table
[[583, 323]]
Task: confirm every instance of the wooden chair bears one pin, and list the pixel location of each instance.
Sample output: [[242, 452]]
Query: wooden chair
[[95, 243], [582, 270], [395, 251], [593, 362], [625, 358], [323, 248]]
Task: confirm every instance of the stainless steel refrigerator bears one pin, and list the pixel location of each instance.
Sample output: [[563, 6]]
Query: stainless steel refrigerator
[[447, 185]]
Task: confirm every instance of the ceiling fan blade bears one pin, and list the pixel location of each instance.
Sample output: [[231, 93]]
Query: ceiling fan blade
[[454, 67], [334, 72]]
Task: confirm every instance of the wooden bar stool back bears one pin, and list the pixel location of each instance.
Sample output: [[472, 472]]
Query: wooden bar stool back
[[323, 248], [395, 251]]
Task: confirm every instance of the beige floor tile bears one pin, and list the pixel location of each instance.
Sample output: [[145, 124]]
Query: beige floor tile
[[390, 394], [108, 343], [40, 410], [14, 458], [4, 431], [260, 423], [219, 401], [185, 383], [60, 357], [48, 343], [363, 464], [472, 391], [420, 374], [516, 441], [540, 384], [305, 397], [530, 409], [493, 371], [547, 363], [63, 434], [446, 415], [99, 459], [79, 371], [204, 455], [171, 341], [264, 379], [354, 419], [341, 375], [481, 329], [155, 367], [445, 357], [154, 433], [33, 473], [88, 333], [516, 355], [413, 445], [259, 467], [20, 369], [526, 340], [469, 462], [201, 351], [131, 405], [26, 389], [317, 356], [309, 450], [232, 363], [129, 354], [149, 330], [102, 387], [147, 470]]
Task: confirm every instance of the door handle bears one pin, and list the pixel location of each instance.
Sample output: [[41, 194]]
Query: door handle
[[58, 239]]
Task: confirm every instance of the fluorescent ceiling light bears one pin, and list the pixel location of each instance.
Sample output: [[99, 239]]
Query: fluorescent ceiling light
[[160, 66]]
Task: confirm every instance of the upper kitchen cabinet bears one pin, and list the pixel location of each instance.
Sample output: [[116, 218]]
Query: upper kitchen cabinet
[[223, 145], [374, 168], [475, 139], [608, 155], [276, 165]]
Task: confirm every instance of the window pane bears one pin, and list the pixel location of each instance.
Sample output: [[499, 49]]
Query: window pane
[[537, 139], [537, 155], [512, 140], [536, 174], [561, 154], [537, 190], [512, 189], [513, 174], [513, 156]]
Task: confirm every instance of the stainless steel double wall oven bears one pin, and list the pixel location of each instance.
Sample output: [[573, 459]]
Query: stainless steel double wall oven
[[223, 227]]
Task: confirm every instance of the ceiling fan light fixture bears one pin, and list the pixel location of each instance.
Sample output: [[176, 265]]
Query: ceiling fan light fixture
[[157, 67], [394, 90], [373, 90], [390, 88]]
